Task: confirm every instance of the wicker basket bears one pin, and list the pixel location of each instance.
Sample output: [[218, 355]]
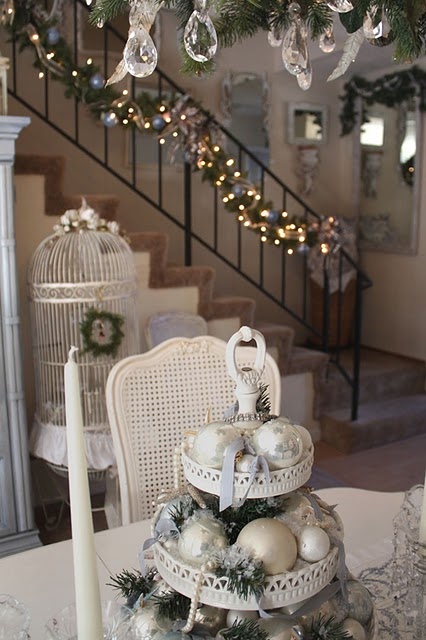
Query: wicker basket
[[336, 338]]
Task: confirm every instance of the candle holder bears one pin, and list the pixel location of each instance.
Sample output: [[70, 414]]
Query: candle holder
[[116, 623], [409, 565], [14, 619]]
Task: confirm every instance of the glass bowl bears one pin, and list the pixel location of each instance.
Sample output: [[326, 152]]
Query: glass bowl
[[116, 622], [14, 619]]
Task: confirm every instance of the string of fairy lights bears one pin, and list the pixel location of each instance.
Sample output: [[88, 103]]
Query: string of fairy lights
[[191, 130]]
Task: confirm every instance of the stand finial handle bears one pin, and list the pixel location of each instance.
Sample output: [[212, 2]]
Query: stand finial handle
[[247, 379]]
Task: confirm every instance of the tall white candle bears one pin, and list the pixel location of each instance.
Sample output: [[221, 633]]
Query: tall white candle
[[422, 525], [87, 595]]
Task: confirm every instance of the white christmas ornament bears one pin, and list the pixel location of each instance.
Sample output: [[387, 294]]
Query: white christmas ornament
[[271, 542], [239, 616], [305, 435], [355, 630], [277, 629], [313, 543], [200, 538], [279, 442], [145, 623], [245, 463], [360, 602], [210, 443], [209, 620]]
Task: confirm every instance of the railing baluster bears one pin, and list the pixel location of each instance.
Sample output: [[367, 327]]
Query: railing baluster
[[261, 263], [187, 214], [357, 347], [75, 32], [215, 218], [283, 273]]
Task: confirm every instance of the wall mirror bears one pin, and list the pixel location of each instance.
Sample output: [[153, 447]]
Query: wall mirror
[[307, 123], [388, 188], [245, 112]]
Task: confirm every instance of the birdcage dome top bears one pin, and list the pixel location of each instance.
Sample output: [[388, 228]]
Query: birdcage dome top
[[84, 249], [81, 257]]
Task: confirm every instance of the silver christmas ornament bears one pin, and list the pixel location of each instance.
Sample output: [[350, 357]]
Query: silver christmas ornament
[[145, 624], [279, 442], [305, 435], [276, 629], [245, 463], [360, 602], [313, 543], [210, 443], [209, 620], [355, 630], [271, 542], [200, 539]]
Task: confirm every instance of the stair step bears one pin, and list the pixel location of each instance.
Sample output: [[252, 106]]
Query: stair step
[[382, 376], [380, 422]]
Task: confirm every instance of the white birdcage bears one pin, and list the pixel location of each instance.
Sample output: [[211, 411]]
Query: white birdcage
[[82, 283]]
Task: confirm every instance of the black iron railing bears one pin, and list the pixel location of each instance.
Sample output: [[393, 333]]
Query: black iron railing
[[268, 268]]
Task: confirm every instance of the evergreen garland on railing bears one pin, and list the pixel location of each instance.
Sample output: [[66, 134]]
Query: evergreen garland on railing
[[191, 129]]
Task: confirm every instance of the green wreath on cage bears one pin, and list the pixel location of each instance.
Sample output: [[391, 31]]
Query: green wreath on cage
[[96, 341]]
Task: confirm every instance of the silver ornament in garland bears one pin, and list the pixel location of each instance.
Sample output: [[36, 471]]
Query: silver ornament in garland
[[109, 119], [96, 81]]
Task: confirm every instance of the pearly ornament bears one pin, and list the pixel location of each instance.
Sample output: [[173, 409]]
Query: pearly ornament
[[279, 442], [145, 623], [313, 543], [244, 464], [360, 602], [354, 629], [177, 503], [276, 629], [209, 620], [236, 616], [305, 435], [271, 542], [210, 443], [200, 538]]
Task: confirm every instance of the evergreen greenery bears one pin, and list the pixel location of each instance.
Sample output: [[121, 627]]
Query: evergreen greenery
[[236, 20], [172, 605], [390, 90], [91, 342], [326, 628], [236, 518], [132, 584], [246, 576], [245, 630]]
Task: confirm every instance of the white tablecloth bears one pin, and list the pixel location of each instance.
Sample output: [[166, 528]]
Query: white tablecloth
[[43, 578]]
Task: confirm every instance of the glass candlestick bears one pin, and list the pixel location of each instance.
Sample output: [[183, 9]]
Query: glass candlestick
[[409, 565]]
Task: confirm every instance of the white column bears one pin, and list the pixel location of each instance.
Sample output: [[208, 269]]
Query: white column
[[10, 128]]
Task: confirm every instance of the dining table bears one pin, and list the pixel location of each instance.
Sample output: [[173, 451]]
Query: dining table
[[43, 580]]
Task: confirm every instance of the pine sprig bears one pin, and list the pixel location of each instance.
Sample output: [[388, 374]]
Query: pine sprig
[[172, 605], [133, 584], [236, 518], [180, 513], [245, 629], [263, 403], [323, 628], [246, 576]]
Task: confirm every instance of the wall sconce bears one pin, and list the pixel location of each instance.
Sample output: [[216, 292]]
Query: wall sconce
[[4, 67], [307, 164], [371, 167]]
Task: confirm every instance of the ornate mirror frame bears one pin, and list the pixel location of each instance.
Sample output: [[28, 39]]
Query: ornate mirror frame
[[404, 88]]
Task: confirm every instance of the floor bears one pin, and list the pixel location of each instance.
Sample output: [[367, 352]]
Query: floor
[[393, 467]]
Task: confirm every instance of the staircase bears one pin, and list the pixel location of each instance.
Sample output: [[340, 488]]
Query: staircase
[[218, 238]]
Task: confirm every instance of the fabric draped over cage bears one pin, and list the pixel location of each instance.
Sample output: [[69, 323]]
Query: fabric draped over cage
[[72, 278]]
